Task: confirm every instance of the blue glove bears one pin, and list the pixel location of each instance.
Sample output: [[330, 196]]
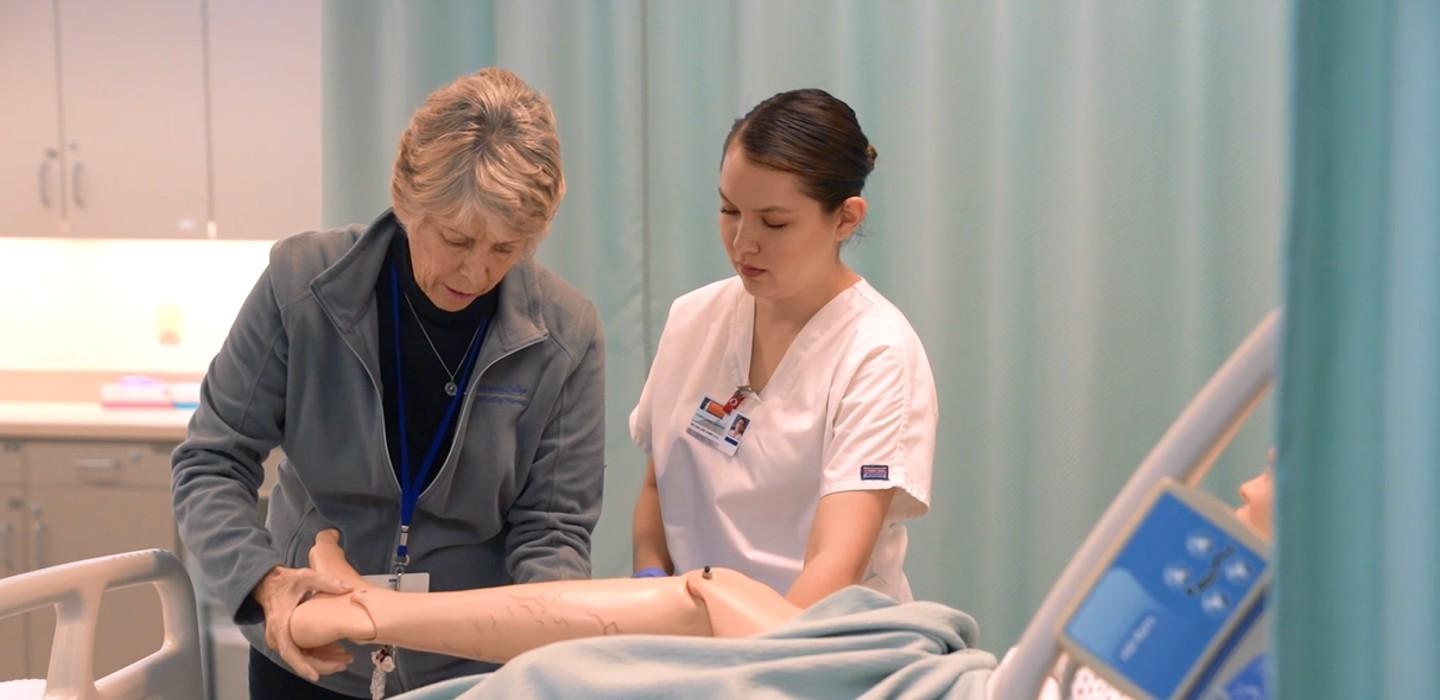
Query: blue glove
[[649, 572]]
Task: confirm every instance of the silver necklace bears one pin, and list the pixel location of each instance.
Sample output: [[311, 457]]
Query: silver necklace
[[450, 387]]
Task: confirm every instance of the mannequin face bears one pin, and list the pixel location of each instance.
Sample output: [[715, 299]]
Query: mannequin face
[[1259, 496]]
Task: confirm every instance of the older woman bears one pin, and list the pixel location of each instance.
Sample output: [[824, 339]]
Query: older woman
[[436, 393]]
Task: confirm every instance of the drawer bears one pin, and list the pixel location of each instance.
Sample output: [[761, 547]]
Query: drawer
[[125, 463], [12, 470]]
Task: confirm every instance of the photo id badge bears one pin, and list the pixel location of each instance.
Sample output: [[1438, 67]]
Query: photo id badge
[[713, 426], [411, 582]]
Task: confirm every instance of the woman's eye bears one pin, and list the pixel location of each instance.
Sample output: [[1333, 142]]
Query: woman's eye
[[456, 244], [503, 249], [728, 212], [770, 225]]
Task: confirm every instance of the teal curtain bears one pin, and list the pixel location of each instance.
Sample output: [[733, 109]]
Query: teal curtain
[[1078, 205], [1358, 487]]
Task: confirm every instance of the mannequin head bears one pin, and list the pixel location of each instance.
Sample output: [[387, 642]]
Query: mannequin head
[[1258, 495]]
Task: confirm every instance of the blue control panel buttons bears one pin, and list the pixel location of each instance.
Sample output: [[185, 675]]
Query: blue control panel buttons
[[1215, 603], [1239, 570], [1165, 597], [1177, 576], [1200, 544]]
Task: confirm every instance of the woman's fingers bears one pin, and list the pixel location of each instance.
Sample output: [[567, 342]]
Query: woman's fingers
[[331, 658], [284, 589]]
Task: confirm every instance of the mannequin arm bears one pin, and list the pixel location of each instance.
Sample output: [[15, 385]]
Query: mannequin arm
[[497, 624], [737, 605]]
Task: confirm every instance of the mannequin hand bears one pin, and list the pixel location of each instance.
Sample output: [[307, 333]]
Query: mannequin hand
[[324, 619], [278, 593]]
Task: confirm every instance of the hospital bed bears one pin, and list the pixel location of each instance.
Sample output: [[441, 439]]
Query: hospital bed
[[172, 672], [175, 672], [1185, 453]]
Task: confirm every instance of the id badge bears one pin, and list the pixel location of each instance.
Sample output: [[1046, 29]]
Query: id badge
[[411, 582], [714, 427]]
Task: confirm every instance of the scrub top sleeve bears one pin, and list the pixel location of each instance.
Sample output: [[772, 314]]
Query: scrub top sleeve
[[641, 425], [883, 433], [640, 417]]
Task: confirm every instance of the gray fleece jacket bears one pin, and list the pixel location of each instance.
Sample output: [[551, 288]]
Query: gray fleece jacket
[[515, 500]]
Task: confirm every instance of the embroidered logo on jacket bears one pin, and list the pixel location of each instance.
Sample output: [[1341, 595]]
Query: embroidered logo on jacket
[[875, 472], [505, 394]]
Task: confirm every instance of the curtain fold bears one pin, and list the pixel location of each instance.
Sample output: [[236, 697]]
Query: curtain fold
[[1357, 613]]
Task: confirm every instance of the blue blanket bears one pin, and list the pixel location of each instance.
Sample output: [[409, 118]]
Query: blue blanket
[[855, 643]]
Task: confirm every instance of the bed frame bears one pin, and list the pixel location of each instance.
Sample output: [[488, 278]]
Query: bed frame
[[1185, 453], [172, 672]]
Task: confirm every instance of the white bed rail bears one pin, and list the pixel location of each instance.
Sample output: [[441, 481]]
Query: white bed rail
[[172, 672], [1185, 452]]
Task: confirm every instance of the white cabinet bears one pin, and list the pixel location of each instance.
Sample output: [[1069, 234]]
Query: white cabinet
[[12, 471], [132, 77], [79, 521], [14, 647], [79, 500], [160, 118], [32, 199]]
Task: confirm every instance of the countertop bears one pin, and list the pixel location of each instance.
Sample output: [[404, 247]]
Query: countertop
[[89, 420]]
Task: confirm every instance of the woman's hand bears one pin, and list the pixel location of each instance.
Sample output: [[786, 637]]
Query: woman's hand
[[278, 594]]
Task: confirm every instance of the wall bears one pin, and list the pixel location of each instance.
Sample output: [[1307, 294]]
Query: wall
[[103, 305]]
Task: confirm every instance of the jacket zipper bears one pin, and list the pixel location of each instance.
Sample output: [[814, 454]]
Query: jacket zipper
[[459, 430], [464, 411]]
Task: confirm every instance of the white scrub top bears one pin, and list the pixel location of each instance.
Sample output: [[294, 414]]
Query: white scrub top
[[850, 407]]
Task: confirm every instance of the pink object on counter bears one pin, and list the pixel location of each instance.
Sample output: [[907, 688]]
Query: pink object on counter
[[145, 392]]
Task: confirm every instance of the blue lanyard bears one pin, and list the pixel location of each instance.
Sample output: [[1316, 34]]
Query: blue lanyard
[[411, 484]]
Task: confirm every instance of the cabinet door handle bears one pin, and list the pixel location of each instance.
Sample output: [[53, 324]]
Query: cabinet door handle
[[98, 465], [43, 176], [77, 174], [37, 540], [9, 559]]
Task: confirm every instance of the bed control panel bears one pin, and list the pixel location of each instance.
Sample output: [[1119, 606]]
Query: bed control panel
[[1180, 586]]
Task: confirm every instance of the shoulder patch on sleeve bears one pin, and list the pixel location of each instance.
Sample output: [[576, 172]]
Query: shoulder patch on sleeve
[[875, 472]]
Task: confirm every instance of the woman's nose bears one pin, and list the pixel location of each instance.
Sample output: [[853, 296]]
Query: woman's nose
[[1246, 491], [743, 240], [474, 268]]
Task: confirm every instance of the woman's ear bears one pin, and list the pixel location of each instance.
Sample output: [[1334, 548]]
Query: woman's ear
[[851, 212]]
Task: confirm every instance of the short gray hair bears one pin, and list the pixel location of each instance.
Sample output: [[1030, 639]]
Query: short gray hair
[[480, 149]]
